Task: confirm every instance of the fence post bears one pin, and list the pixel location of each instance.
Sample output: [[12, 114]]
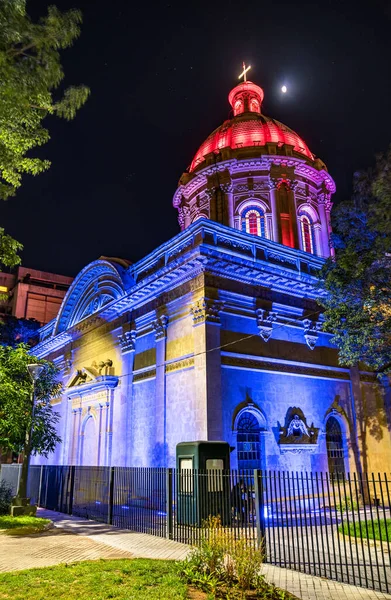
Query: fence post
[[71, 489], [40, 486], [169, 473], [111, 496], [260, 511]]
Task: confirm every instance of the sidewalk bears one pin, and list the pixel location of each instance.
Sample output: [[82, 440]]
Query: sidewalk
[[98, 540]]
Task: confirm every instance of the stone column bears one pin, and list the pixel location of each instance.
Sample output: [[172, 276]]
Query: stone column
[[275, 236], [293, 212], [186, 216], [317, 229], [207, 364], [127, 342], [228, 190], [328, 205], [160, 327], [324, 248]]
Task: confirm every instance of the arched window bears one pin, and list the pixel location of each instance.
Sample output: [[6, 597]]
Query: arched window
[[248, 441], [307, 233], [334, 444], [253, 221]]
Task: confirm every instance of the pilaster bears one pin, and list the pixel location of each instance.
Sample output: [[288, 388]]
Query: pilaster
[[273, 206], [207, 365], [127, 342], [160, 328]]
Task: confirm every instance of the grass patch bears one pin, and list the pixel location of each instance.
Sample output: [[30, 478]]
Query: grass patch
[[22, 525], [377, 530], [136, 579]]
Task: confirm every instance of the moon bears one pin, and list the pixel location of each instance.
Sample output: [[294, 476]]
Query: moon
[[284, 89]]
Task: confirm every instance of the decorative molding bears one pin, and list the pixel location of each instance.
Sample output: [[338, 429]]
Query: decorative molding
[[160, 327], [296, 433], [179, 365], [144, 375], [311, 332], [265, 320], [225, 241], [206, 310], [127, 341], [247, 363]]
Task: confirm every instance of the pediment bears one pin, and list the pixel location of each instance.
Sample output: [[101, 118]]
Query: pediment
[[82, 376], [99, 283]]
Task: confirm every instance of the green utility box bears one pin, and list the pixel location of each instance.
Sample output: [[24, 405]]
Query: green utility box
[[203, 482]]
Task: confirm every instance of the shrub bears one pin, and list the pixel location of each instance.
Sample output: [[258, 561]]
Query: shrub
[[347, 504], [5, 497], [225, 567]]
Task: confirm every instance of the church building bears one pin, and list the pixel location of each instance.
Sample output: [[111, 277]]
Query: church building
[[216, 335]]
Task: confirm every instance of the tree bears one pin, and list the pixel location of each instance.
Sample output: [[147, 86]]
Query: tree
[[30, 74], [27, 423], [358, 281], [14, 331]]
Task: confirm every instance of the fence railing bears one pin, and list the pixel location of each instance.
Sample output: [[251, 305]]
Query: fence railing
[[338, 527]]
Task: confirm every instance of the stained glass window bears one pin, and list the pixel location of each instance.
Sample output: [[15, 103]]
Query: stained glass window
[[253, 221], [307, 234]]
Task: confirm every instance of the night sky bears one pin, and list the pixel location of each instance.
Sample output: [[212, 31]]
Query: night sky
[[160, 75]]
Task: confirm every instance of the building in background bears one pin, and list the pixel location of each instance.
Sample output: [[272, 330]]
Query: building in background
[[33, 294], [216, 335]]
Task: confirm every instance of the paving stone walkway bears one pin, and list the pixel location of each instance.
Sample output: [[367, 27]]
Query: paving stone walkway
[[74, 539]]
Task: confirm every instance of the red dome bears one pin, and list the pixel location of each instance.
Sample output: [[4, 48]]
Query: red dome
[[249, 127]]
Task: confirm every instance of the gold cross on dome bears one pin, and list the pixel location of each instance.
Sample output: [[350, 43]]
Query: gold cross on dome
[[243, 74]]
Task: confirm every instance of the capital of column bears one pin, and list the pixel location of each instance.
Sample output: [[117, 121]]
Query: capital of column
[[273, 183], [265, 320], [160, 327], [227, 187], [127, 341], [206, 310]]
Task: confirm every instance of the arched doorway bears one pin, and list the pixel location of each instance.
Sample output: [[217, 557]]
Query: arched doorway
[[334, 444], [248, 441]]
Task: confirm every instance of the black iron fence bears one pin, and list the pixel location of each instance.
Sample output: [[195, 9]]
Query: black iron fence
[[338, 527]]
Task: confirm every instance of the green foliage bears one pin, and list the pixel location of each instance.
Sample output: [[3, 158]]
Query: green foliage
[[358, 282], [225, 567], [30, 73], [16, 415], [9, 249], [22, 525], [122, 579], [378, 530], [348, 504], [5, 498]]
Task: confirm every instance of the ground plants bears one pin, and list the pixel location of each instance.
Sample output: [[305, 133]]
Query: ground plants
[[124, 579], [225, 567], [24, 525]]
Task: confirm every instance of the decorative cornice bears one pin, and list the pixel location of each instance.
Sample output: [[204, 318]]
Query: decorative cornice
[[127, 341], [206, 310], [264, 365]]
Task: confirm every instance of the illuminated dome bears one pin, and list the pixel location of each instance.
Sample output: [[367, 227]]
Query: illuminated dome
[[248, 127], [257, 176]]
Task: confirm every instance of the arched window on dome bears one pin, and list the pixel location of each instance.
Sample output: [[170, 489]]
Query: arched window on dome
[[253, 221], [254, 105], [307, 233]]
